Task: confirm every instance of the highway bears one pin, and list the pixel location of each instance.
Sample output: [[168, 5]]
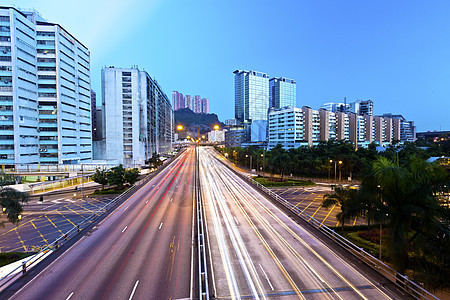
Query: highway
[[142, 250], [257, 251]]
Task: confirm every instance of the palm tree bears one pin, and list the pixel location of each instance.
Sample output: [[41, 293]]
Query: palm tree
[[409, 203], [10, 200], [342, 196]]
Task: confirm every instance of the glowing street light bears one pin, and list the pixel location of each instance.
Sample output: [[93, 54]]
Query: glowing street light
[[180, 127], [216, 127]]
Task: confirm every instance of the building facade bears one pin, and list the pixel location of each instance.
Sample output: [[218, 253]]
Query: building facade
[[286, 127], [138, 117], [282, 92], [205, 106], [45, 92], [177, 100], [251, 96]]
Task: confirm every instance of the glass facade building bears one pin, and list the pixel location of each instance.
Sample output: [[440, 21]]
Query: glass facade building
[[282, 92], [251, 95]]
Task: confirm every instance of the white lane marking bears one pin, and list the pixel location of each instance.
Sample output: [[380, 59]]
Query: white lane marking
[[171, 199], [124, 229], [71, 294], [237, 223], [271, 286], [134, 290], [153, 185], [146, 201], [160, 225]]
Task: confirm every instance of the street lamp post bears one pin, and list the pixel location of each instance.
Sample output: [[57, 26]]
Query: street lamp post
[[263, 156], [335, 167], [381, 226], [250, 162]]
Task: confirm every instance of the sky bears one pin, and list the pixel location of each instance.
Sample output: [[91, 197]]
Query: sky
[[396, 53]]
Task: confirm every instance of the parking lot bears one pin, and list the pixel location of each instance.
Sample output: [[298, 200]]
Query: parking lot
[[309, 200], [43, 222]]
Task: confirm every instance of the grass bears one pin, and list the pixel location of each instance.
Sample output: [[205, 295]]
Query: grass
[[10, 257], [110, 191], [289, 182]]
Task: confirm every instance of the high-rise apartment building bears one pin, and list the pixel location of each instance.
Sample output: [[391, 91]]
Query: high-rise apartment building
[[205, 106], [188, 102], [138, 116], [45, 92], [19, 139], [407, 128], [197, 104], [251, 96], [177, 100], [282, 92], [64, 87]]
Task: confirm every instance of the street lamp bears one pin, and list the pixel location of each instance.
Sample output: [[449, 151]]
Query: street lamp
[[180, 127], [246, 155], [216, 127], [335, 166], [381, 228], [263, 158]]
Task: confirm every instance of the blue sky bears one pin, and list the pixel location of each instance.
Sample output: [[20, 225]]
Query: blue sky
[[396, 53]]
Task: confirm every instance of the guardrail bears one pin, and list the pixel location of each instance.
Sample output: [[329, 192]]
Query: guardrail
[[21, 270], [201, 231], [401, 281]]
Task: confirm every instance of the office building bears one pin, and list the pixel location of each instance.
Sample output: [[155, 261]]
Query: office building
[[286, 127], [336, 107], [251, 95], [282, 92], [230, 122], [138, 117], [216, 136], [45, 92], [236, 135]]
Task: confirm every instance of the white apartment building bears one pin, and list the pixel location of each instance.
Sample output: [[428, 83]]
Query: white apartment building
[[286, 127], [293, 127], [137, 119], [44, 92], [64, 95]]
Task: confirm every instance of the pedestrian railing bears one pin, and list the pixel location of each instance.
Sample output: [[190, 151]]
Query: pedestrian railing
[[55, 245], [401, 281]]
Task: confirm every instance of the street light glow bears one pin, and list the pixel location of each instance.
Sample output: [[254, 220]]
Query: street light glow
[[216, 127], [180, 127]]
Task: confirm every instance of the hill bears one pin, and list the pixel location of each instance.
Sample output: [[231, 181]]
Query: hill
[[190, 120]]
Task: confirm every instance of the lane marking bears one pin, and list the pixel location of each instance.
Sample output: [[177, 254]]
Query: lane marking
[[160, 225], [171, 199], [271, 286], [124, 229], [237, 223], [134, 290], [71, 294]]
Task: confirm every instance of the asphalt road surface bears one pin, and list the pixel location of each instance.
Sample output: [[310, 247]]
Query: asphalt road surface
[[141, 251], [258, 252]]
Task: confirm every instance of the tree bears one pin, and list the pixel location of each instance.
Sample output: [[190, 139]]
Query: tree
[[101, 177], [10, 200], [116, 176], [342, 196], [154, 161], [131, 175], [409, 202], [278, 158]]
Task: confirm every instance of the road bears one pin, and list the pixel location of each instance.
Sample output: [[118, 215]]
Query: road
[[257, 251], [142, 250]]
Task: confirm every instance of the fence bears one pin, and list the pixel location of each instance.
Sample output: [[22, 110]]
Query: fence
[[19, 271], [401, 281]]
